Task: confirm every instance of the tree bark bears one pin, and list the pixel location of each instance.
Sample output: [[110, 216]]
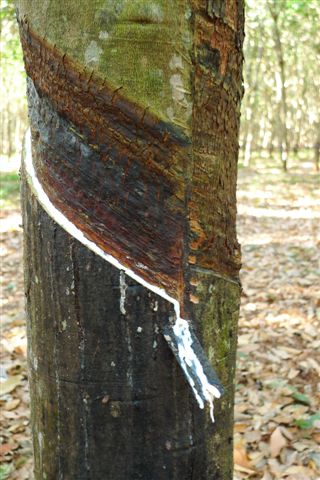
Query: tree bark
[[134, 111], [283, 140], [317, 149], [253, 79]]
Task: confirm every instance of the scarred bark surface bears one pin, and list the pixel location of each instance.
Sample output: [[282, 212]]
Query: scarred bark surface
[[111, 167], [108, 397], [158, 195]]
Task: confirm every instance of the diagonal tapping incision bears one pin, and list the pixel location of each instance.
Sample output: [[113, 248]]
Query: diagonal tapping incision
[[114, 177], [180, 338]]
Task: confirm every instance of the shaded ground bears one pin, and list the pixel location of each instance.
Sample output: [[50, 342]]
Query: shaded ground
[[277, 424]]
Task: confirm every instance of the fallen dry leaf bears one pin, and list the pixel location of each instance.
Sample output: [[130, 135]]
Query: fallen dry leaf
[[12, 404], [245, 470], [298, 470], [241, 427], [10, 384], [277, 442], [266, 476], [241, 459], [7, 448], [251, 437]]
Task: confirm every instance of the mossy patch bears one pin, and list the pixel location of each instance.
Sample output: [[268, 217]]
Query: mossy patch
[[130, 43]]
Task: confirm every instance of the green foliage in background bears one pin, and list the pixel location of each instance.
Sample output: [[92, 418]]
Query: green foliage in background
[[9, 189], [264, 124], [13, 104], [10, 45], [267, 120]]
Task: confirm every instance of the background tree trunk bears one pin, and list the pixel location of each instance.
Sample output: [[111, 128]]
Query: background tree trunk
[[316, 148], [108, 397], [283, 114]]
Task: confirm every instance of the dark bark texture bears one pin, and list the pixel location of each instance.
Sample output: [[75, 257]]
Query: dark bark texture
[[108, 397], [120, 156], [109, 400]]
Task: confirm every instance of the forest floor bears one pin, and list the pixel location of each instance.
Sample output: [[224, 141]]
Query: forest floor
[[277, 417]]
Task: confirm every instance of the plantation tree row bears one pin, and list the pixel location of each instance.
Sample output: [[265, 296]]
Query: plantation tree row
[[280, 109]]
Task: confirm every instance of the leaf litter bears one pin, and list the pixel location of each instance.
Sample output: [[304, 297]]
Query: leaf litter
[[278, 383], [277, 419]]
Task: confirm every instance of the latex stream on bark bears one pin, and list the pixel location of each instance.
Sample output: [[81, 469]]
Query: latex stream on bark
[[178, 332]]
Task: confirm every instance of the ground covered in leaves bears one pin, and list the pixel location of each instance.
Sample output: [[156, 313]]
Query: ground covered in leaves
[[277, 416]]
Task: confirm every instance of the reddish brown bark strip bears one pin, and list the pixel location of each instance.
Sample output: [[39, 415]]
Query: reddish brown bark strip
[[218, 36], [133, 183], [112, 168]]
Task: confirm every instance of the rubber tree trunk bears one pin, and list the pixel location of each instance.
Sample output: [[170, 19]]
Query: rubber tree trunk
[[317, 149], [283, 107], [134, 111]]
